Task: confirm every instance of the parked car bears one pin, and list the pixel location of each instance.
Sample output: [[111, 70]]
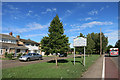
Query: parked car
[[30, 56], [63, 55]]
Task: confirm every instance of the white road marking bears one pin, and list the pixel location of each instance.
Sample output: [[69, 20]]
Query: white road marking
[[103, 70]]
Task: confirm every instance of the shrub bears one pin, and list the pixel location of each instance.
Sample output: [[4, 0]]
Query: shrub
[[9, 56], [19, 54], [24, 54], [6, 54]]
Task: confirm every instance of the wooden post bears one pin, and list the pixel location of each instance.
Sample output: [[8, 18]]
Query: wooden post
[[84, 55], [56, 61], [100, 42], [74, 55]]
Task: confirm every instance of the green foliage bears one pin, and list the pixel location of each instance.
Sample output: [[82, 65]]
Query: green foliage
[[6, 54], [117, 44], [19, 54], [93, 43], [10, 56], [90, 44], [108, 48], [56, 42]]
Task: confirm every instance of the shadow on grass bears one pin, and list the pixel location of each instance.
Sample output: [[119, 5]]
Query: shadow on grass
[[59, 61], [78, 57], [81, 62]]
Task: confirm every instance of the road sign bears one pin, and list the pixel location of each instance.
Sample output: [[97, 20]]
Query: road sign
[[79, 41]]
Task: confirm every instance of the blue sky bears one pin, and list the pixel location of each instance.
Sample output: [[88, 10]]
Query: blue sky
[[31, 20]]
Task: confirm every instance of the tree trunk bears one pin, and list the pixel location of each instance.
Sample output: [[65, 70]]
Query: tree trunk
[[56, 61]]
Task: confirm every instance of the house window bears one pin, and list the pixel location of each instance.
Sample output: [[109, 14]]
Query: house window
[[6, 50], [32, 44], [1, 51], [27, 44]]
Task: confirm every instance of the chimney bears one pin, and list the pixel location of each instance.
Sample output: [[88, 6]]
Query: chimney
[[18, 37], [10, 33]]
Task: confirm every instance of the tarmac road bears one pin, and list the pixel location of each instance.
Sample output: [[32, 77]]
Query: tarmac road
[[111, 68]]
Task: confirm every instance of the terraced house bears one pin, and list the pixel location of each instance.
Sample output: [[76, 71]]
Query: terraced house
[[11, 44]]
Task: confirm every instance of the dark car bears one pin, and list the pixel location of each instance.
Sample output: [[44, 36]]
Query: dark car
[[30, 56], [63, 55]]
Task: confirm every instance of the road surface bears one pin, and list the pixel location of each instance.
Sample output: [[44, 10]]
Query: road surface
[[111, 68]]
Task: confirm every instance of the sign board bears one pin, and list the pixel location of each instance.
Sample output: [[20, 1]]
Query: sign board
[[79, 42]]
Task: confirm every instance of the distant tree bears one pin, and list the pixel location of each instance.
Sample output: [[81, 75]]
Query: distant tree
[[81, 35], [104, 42], [117, 44], [80, 49], [90, 44], [108, 48], [96, 39]]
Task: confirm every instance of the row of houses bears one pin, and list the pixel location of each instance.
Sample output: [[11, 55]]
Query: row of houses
[[11, 44]]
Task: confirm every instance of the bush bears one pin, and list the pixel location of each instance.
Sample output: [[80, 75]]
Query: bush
[[9, 56], [6, 54], [23, 54], [19, 54]]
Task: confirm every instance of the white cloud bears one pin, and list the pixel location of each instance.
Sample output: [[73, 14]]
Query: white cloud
[[48, 10], [68, 11], [11, 7], [89, 18], [54, 9], [101, 8], [29, 27], [34, 25], [93, 12], [29, 13], [91, 24], [34, 35], [77, 27], [112, 36], [74, 29]]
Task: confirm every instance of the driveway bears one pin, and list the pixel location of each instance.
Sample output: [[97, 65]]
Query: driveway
[[16, 63]]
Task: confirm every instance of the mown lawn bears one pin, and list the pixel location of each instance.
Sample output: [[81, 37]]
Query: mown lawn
[[65, 69]]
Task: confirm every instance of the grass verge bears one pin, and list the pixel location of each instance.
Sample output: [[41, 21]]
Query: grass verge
[[65, 69]]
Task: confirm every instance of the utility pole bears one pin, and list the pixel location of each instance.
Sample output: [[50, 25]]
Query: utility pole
[[100, 42]]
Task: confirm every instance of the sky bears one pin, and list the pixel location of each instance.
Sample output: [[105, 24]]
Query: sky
[[31, 20]]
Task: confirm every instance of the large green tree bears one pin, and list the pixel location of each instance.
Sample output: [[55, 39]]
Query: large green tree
[[57, 41], [45, 45]]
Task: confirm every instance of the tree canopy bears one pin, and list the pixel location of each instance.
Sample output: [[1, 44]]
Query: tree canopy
[[56, 42]]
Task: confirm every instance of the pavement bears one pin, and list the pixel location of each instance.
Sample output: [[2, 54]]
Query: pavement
[[95, 71], [105, 68]]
